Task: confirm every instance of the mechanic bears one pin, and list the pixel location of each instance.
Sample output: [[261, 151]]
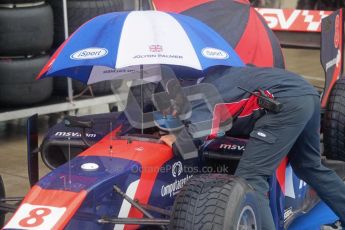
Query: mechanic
[[293, 131]]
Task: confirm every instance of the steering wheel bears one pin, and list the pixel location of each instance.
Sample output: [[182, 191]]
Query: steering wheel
[[167, 123]]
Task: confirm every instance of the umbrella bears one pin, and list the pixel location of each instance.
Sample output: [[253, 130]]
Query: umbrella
[[238, 23], [119, 44]]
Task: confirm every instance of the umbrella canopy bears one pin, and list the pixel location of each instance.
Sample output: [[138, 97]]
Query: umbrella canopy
[[117, 44], [239, 24]]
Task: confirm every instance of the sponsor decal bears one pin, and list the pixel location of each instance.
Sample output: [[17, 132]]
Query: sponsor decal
[[214, 53], [173, 56], [177, 169], [302, 184], [74, 134], [155, 48], [294, 187], [173, 188], [89, 53], [140, 148], [232, 147], [336, 32], [293, 20], [261, 134], [287, 213], [119, 71], [335, 61]]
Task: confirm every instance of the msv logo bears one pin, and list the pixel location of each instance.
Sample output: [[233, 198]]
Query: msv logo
[[214, 53], [89, 53]]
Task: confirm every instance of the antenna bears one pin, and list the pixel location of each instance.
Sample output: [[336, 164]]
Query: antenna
[[142, 97], [69, 163], [140, 5], [111, 139], [64, 181]]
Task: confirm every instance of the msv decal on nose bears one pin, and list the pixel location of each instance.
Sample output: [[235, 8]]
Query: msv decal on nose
[[214, 53], [89, 53]]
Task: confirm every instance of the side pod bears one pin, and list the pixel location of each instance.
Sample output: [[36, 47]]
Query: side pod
[[32, 149]]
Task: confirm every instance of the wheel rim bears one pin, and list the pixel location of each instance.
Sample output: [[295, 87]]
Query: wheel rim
[[247, 219]]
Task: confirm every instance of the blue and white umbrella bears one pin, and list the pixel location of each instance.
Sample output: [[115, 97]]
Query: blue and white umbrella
[[117, 44]]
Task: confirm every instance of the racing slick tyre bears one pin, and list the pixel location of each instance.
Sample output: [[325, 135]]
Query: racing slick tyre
[[2, 195], [17, 81], [334, 123], [21, 1], [79, 11], [215, 201], [25, 30], [319, 4], [306, 4]]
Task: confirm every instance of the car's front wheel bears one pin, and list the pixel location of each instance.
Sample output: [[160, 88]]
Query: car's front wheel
[[216, 201]]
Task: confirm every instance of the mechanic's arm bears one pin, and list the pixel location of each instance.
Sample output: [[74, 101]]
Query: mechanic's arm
[[183, 144]]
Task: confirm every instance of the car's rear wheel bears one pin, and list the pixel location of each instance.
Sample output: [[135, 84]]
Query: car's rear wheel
[[2, 195], [216, 201], [334, 123]]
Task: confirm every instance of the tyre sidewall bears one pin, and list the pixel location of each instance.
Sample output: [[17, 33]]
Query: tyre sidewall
[[334, 123], [235, 208], [26, 30], [2, 195], [248, 199], [25, 93], [79, 12], [20, 1], [17, 81]]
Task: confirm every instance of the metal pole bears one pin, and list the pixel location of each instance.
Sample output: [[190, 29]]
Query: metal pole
[[132, 202], [136, 5], [142, 97], [134, 221], [140, 5], [11, 199], [65, 23]]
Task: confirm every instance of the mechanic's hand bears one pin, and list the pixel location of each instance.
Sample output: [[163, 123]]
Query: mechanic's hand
[[168, 139], [170, 111]]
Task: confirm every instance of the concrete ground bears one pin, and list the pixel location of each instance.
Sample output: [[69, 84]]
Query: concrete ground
[[13, 155]]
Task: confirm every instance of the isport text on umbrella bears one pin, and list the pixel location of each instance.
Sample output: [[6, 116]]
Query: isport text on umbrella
[[89, 53]]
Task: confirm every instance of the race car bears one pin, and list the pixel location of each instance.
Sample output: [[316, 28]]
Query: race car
[[124, 178]]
